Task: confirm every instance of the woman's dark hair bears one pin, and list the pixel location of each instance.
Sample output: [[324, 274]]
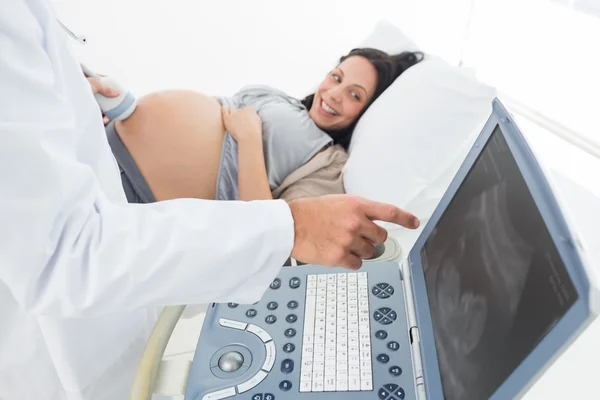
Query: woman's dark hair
[[388, 68]]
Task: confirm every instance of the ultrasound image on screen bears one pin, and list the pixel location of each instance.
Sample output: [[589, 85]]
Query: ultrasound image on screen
[[496, 283]]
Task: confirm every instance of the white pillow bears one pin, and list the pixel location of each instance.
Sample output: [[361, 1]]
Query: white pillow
[[411, 141], [387, 37]]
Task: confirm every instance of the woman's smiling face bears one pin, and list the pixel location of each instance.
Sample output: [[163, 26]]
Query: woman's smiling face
[[344, 93]]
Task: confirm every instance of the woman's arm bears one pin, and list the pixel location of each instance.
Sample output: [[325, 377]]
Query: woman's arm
[[246, 128], [252, 173]]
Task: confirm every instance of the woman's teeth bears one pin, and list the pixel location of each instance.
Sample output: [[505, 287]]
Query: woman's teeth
[[328, 109]]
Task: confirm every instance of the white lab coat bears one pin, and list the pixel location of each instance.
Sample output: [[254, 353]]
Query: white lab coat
[[82, 273]]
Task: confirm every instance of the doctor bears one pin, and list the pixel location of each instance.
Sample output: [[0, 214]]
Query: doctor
[[83, 273]]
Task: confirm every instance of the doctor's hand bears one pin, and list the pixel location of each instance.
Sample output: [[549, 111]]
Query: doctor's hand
[[104, 90], [338, 230]]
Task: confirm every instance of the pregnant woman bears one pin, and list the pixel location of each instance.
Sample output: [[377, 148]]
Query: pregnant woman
[[183, 144]]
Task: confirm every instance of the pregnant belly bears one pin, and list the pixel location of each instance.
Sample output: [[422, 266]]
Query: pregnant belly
[[175, 138]]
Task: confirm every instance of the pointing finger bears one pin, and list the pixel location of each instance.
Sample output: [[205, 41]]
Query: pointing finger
[[389, 213]]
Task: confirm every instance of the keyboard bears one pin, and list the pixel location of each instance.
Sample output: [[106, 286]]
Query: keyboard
[[317, 333], [336, 341]]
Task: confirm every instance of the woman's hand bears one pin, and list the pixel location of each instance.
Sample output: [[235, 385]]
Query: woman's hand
[[104, 90], [244, 125]]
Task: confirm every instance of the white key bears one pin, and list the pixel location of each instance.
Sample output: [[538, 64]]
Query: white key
[[305, 386], [354, 370], [252, 382], [317, 386], [271, 354], [329, 385], [341, 375], [311, 292], [342, 386], [312, 278], [221, 394], [319, 366], [229, 323], [354, 383], [260, 332], [366, 384], [362, 275]]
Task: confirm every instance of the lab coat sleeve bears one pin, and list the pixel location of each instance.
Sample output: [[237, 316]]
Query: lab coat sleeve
[[67, 250]]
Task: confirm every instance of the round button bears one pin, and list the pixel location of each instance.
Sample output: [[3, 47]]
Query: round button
[[395, 370], [295, 283], [257, 396], [230, 362], [232, 305], [287, 366], [269, 396], [383, 358], [393, 346], [276, 284], [271, 319], [251, 313], [381, 335], [291, 318], [292, 305], [285, 385], [272, 305], [289, 347], [291, 332]]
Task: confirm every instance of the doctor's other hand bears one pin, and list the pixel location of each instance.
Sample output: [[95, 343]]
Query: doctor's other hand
[[105, 90], [338, 230]]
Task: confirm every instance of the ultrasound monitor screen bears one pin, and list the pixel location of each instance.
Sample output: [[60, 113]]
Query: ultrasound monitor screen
[[495, 281]]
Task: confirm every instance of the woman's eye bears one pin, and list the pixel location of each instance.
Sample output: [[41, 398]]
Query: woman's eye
[[336, 78], [356, 96]]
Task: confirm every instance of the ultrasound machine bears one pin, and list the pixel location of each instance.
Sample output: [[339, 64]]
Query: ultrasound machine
[[495, 288]]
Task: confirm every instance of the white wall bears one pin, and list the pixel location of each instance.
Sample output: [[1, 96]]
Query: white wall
[[218, 46]]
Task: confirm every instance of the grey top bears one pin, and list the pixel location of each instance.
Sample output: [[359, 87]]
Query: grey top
[[290, 137]]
